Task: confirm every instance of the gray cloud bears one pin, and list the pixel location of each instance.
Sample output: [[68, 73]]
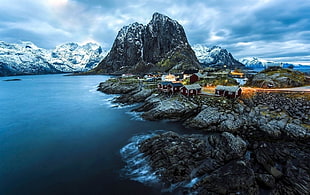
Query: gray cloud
[[273, 29]]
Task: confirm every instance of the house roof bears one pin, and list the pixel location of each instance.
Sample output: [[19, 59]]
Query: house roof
[[190, 71], [176, 84], [201, 75], [165, 82], [193, 86], [227, 88]]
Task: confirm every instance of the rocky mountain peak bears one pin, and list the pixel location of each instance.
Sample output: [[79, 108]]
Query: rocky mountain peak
[[216, 56], [139, 48]]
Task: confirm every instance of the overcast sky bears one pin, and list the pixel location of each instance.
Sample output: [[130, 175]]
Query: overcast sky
[[270, 29]]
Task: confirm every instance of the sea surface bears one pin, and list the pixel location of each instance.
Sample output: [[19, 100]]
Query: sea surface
[[59, 135]]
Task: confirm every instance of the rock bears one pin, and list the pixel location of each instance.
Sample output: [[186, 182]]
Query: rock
[[209, 116], [296, 131], [161, 45], [179, 158], [266, 180], [234, 177], [278, 78], [177, 109], [118, 86]]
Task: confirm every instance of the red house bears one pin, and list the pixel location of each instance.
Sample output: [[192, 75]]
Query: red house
[[197, 77], [163, 86], [190, 90], [174, 87], [228, 91]]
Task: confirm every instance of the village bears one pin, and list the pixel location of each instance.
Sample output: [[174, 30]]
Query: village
[[225, 83]]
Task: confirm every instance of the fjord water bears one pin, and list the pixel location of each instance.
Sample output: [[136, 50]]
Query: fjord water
[[58, 135]]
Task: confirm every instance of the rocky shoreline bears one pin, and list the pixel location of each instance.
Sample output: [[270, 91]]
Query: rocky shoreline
[[257, 145]]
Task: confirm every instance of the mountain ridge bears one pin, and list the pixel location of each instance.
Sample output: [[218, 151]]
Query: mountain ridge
[[26, 58], [216, 57]]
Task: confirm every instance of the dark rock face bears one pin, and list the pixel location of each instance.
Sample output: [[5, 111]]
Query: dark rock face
[[126, 50], [227, 164], [161, 36], [138, 48], [210, 160]]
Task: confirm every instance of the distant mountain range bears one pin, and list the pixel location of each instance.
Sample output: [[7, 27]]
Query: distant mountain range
[[255, 62], [27, 58]]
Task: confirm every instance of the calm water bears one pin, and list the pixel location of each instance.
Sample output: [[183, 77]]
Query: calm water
[[58, 135]]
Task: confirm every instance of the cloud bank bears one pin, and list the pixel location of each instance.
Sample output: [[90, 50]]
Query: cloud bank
[[270, 29]]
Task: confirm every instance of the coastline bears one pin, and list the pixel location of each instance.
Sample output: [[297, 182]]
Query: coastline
[[272, 128]]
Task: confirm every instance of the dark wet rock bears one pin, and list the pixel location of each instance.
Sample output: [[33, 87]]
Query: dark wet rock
[[178, 158], [218, 164], [266, 180], [235, 177], [288, 163]]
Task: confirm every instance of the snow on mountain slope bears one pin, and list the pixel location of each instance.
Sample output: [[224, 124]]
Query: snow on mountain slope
[[215, 56], [254, 62], [27, 58]]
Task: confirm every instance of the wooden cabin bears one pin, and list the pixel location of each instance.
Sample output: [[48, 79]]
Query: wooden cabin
[[190, 90], [188, 73], [163, 86], [174, 87], [228, 91], [197, 77]]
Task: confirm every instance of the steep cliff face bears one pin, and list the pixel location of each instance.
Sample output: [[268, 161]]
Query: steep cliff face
[[140, 48]]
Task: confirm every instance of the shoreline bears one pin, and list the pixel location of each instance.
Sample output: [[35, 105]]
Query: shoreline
[[272, 134]]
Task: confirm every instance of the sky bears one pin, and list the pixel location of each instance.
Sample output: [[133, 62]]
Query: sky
[[277, 30]]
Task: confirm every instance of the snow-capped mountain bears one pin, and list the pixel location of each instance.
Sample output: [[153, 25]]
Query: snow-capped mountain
[[255, 62], [161, 45], [27, 58], [215, 56]]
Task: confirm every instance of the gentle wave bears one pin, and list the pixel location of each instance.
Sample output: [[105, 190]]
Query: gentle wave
[[137, 166], [136, 116]]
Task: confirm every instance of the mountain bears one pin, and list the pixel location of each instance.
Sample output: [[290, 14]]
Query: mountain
[[255, 62], [161, 45], [27, 58], [216, 57]]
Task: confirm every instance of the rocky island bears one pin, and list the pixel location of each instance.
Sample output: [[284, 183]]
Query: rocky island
[[257, 143], [247, 145]]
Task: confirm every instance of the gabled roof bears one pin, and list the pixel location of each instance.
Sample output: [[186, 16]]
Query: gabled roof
[[176, 84], [190, 71], [201, 75], [193, 86], [228, 88], [165, 82]]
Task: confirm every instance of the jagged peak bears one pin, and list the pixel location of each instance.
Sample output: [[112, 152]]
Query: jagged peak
[[160, 17]]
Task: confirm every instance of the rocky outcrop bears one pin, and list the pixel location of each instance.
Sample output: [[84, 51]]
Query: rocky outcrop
[[158, 107], [225, 164], [277, 78], [159, 45], [263, 116], [210, 161], [250, 146]]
